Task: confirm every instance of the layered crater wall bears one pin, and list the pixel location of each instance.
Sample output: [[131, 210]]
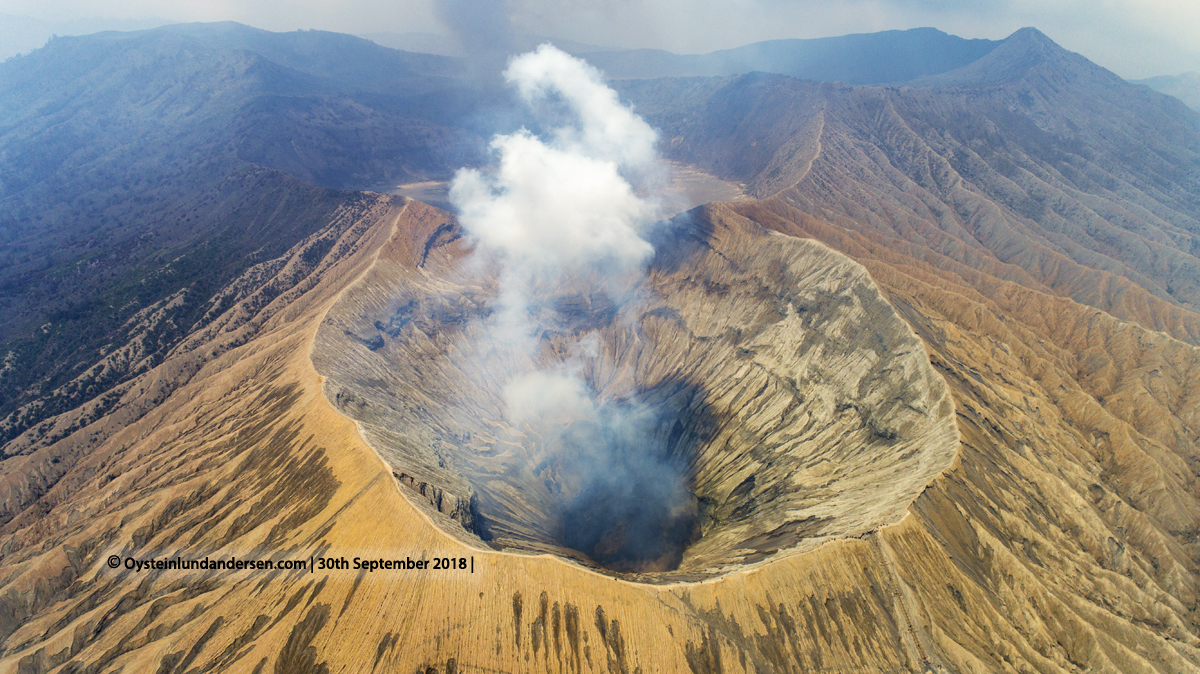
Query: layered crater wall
[[769, 371]]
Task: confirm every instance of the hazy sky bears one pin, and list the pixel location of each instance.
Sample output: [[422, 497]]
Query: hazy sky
[[1135, 38]]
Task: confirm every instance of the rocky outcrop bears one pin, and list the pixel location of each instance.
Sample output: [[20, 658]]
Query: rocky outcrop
[[459, 510]]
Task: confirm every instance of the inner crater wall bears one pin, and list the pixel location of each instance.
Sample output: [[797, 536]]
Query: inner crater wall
[[799, 405]]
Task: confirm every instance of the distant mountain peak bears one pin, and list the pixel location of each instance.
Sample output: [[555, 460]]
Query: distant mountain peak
[[1027, 46], [1029, 34], [1016, 57]]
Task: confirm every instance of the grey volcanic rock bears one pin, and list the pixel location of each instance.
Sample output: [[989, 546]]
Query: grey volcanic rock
[[800, 405]]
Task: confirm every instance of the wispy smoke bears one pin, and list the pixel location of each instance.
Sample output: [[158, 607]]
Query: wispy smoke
[[483, 30], [570, 206]]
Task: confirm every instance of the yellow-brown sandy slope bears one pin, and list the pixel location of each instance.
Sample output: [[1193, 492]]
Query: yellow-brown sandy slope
[[1067, 530], [1057, 541], [248, 459]]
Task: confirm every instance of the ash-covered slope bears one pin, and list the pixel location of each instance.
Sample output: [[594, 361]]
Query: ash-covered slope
[[1057, 539], [1035, 220], [248, 459], [1066, 533], [86, 464]]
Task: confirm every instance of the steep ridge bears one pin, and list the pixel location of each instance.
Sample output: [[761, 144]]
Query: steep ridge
[[871, 58], [101, 457], [140, 173], [38, 462], [1049, 171]]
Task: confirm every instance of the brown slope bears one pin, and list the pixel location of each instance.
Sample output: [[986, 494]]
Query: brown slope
[[58, 467], [1039, 547], [1073, 511], [1060, 539], [248, 459]]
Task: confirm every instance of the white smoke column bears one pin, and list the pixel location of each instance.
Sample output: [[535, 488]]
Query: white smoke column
[[566, 203], [560, 205], [561, 209]]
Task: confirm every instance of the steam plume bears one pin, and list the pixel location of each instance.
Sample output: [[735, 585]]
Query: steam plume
[[565, 205], [566, 202]]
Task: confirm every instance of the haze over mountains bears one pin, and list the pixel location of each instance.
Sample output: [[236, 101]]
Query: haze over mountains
[[435, 43], [874, 58], [969, 443], [1185, 87]]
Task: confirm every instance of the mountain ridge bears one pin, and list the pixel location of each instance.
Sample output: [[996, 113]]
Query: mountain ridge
[[867, 58], [1063, 158], [174, 153], [1185, 87]]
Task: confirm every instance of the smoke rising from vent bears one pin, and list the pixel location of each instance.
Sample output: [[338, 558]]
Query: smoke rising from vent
[[569, 206], [558, 204]]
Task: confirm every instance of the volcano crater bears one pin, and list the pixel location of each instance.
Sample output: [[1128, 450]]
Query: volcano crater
[[755, 395]]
